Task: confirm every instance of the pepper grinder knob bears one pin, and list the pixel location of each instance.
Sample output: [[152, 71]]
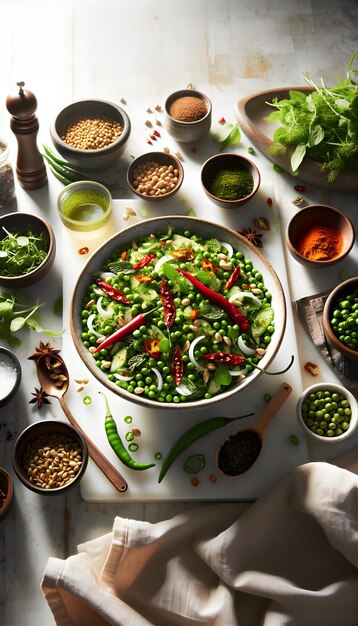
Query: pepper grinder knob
[[30, 166]]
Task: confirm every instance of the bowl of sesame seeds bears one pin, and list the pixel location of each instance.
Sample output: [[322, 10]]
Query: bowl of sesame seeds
[[91, 134]]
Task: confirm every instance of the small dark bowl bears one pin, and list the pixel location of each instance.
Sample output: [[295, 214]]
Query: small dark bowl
[[28, 222], [187, 132], [30, 435], [6, 485], [220, 162], [330, 305], [91, 159], [313, 215], [12, 360], [163, 159]]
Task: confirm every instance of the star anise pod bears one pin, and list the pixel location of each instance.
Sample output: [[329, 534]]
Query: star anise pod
[[252, 236], [40, 398], [44, 351]]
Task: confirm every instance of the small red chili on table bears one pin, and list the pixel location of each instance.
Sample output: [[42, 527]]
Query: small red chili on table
[[300, 188], [83, 250], [152, 347], [222, 120], [208, 266], [269, 202]]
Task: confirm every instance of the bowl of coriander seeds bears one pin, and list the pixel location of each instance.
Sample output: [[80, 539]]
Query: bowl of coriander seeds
[[91, 134], [155, 176]]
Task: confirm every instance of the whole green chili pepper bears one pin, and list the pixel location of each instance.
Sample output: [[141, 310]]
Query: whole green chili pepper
[[60, 177], [67, 172], [193, 434], [116, 443]]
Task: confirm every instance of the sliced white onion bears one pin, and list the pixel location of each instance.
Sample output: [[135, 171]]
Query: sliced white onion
[[163, 259], [108, 275], [103, 313], [124, 379], [245, 294], [159, 376], [90, 326], [238, 372], [229, 248], [244, 348], [183, 390], [191, 352]]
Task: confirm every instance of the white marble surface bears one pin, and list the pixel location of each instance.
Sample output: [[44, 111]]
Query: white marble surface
[[140, 50]]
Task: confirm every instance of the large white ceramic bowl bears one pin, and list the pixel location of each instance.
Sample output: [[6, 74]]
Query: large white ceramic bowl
[[207, 230]]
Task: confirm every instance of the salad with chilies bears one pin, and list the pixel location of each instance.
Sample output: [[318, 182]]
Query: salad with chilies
[[176, 318]]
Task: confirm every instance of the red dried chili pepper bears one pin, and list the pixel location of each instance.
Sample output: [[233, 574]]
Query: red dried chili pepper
[[168, 304], [83, 250], [300, 188], [184, 253], [124, 255], [269, 201], [148, 258], [208, 266], [233, 278], [136, 322], [112, 292], [156, 132], [217, 298], [177, 365], [143, 278], [152, 347], [222, 120], [225, 357]]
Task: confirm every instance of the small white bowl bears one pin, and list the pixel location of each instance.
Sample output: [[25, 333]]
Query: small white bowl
[[333, 388]]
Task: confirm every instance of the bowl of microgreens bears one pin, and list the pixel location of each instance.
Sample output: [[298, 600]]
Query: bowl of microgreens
[[27, 249]]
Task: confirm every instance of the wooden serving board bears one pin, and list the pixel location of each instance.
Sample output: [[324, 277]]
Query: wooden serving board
[[251, 112], [160, 429]]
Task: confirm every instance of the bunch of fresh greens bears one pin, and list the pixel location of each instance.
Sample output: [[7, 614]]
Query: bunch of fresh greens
[[228, 135], [322, 125], [22, 252], [17, 313]]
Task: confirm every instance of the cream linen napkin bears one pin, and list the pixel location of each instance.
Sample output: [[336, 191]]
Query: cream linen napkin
[[290, 559]]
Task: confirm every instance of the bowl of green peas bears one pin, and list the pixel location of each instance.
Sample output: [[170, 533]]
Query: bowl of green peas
[[340, 318], [327, 412]]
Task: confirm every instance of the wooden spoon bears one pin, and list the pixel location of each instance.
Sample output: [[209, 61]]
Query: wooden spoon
[[241, 449], [49, 386]]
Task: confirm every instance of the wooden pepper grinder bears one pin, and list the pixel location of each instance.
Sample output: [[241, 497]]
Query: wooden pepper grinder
[[30, 166]]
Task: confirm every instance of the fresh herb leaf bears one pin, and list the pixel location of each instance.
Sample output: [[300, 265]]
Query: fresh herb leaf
[[222, 375], [298, 156], [227, 135], [210, 311], [213, 245], [58, 305], [121, 267], [136, 361]]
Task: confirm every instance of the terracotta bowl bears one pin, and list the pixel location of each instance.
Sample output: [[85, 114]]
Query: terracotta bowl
[[225, 161], [201, 228], [319, 215], [341, 290], [162, 158], [6, 485], [22, 222], [31, 435], [91, 159], [332, 388], [187, 132]]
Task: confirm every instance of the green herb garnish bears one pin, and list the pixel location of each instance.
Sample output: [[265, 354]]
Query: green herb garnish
[[16, 313], [227, 135], [22, 252]]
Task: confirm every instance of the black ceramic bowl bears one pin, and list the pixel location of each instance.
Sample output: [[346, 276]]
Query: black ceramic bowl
[[91, 159], [30, 437], [22, 223]]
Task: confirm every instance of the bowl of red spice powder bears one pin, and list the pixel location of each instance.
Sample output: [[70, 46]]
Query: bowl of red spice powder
[[319, 235], [187, 115]]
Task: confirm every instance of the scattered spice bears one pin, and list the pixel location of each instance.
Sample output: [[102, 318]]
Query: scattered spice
[[262, 223], [269, 202], [178, 156], [166, 150], [83, 250], [47, 352], [123, 101], [222, 120], [232, 184], [158, 122], [320, 243], [253, 237], [251, 150], [300, 189], [311, 368], [149, 110], [158, 107], [40, 398], [298, 200], [188, 109], [294, 440], [194, 481], [213, 479]]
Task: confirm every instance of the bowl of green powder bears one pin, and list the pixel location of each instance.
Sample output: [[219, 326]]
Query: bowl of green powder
[[230, 180]]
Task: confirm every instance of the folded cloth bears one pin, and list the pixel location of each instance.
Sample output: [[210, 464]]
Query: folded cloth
[[310, 312], [290, 559]]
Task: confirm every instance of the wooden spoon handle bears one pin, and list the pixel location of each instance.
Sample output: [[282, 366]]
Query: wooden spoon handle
[[96, 455], [273, 407]]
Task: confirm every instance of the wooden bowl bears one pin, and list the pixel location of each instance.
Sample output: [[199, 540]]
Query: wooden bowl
[[187, 132], [318, 215], [251, 112], [225, 161], [162, 158], [330, 305], [91, 159], [6, 485], [28, 222], [29, 436]]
